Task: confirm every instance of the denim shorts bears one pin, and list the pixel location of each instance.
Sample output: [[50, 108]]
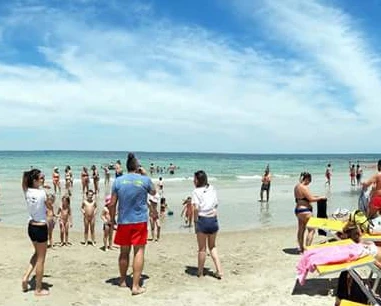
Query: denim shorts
[[207, 225]]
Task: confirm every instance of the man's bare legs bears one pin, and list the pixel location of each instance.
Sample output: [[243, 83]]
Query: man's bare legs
[[36, 261], [213, 252], [124, 258], [137, 267], [201, 241]]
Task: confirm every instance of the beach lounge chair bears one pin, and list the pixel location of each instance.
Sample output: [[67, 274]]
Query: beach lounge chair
[[332, 227], [367, 261], [350, 303]]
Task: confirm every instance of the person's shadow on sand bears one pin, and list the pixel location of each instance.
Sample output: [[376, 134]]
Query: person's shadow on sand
[[193, 271], [116, 280], [291, 251], [316, 286], [32, 284]]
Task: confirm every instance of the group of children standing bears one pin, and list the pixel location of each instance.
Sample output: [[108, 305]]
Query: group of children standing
[[89, 210]]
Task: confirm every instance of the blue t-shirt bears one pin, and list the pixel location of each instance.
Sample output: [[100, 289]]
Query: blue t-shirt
[[132, 190]]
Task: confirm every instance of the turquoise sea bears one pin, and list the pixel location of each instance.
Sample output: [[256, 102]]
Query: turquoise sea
[[236, 177]]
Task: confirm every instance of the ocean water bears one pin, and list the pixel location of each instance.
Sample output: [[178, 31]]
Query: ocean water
[[237, 178]]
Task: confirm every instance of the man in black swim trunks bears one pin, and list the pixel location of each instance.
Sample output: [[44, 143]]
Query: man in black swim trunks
[[266, 180]]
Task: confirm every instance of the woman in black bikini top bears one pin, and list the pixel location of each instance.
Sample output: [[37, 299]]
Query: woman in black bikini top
[[303, 208]]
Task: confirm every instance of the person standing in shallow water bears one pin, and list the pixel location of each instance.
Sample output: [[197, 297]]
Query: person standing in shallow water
[[266, 180], [35, 198]]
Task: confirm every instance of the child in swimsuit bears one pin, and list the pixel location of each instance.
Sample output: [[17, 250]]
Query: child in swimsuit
[[154, 217], [107, 224], [65, 219], [163, 207], [56, 180], [50, 217], [187, 211], [89, 210]]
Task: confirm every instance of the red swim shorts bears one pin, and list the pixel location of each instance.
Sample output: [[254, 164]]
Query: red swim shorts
[[131, 234], [375, 203]]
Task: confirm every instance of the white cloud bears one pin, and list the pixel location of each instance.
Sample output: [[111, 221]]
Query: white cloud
[[189, 81]]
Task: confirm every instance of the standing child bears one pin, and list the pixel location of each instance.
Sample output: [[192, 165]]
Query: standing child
[[50, 217], [163, 207], [160, 187], [107, 224], [154, 217], [89, 210], [187, 211], [66, 221]]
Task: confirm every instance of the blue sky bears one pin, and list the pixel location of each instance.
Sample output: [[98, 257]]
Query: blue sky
[[249, 76]]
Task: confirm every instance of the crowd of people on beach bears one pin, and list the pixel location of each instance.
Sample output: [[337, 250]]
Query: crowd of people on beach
[[134, 207], [132, 204]]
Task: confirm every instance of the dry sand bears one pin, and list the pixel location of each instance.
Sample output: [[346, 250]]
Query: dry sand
[[259, 268]]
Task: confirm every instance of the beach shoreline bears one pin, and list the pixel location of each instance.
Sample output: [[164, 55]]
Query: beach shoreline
[[259, 269]]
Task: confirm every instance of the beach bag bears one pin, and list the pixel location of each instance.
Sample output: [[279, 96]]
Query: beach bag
[[363, 202], [361, 220]]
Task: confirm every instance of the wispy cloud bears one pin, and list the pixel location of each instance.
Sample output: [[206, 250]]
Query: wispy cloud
[[190, 81]]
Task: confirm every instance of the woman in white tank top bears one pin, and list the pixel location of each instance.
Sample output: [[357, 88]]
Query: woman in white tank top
[[35, 198], [204, 201]]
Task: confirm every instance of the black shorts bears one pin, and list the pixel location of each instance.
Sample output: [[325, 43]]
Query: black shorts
[[38, 233], [265, 187], [207, 225]]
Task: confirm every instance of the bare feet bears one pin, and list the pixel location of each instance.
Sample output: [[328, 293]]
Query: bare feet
[[24, 286], [41, 292], [218, 275], [138, 291], [122, 283]]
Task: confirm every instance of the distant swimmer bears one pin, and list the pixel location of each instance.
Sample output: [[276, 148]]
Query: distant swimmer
[[358, 174], [328, 175], [266, 180], [152, 169], [352, 174], [171, 169]]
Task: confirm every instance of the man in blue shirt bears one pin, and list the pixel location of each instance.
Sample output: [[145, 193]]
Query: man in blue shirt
[[130, 191]]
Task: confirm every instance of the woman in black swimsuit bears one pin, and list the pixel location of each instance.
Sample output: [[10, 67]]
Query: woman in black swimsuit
[[303, 208]]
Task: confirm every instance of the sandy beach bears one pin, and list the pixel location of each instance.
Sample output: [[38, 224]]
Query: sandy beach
[[259, 268]]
